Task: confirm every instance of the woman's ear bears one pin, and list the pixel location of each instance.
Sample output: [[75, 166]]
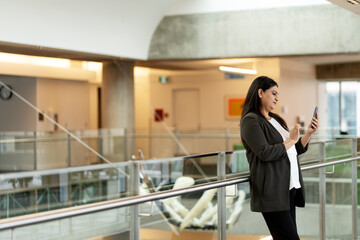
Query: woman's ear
[[260, 93]]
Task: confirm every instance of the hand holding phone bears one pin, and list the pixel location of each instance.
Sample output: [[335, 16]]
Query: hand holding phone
[[315, 114]]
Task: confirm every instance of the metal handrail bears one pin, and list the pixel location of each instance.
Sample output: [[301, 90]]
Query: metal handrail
[[157, 135], [330, 163], [101, 206], [108, 205]]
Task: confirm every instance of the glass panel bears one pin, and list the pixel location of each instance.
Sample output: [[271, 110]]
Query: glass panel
[[112, 145], [5, 235], [236, 164], [191, 216], [312, 155], [142, 141], [341, 148], [307, 219], [17, 152], [163, 144], [159, 143], [233, 140], [110, 223], [241, 222], [32, 192], [175, 173], [52, 150], [339, 200]]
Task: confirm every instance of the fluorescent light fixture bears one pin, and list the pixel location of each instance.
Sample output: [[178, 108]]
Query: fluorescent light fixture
[[266, 238], [237, 70], [33, 60]]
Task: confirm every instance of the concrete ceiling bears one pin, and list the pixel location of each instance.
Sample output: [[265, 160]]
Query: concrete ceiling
[[14, 24]]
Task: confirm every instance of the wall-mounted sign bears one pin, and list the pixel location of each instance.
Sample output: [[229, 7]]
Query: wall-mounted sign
[[163, 79], [234, 76]]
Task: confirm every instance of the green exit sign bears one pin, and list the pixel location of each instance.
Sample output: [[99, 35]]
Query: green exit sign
[[163, 79]]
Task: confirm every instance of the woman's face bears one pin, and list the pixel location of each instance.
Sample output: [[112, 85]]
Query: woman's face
[[269, 98]]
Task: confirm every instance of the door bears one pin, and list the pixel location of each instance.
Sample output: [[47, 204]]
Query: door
[[186, 109]]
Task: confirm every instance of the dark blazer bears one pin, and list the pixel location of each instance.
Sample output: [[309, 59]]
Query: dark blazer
[[269, 165]]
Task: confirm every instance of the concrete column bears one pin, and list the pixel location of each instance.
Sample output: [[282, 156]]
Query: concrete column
[[117, 95]]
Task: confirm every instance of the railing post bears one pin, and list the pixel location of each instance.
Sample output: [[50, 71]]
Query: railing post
[[100, 145], [69, 150], [35, 152], [354, 191], [132, 142], [177, 132], [227, 139], [221, 200], [7, 205], [322, 193], [134, 188], [125, 145]]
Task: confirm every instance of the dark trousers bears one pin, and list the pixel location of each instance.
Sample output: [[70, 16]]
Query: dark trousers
[[282, 225]]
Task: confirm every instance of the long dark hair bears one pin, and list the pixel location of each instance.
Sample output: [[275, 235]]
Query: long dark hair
[[253, 103]]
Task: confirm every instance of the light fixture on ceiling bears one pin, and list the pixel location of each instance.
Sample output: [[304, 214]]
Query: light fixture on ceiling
[[355, 2], [266, 238], [237, 70]]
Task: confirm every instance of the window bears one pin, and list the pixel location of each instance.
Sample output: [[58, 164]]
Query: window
[[342, 100]]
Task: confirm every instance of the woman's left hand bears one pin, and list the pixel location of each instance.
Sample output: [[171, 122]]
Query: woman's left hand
[[313, 126]]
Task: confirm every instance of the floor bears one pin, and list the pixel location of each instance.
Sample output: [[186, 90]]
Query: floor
[[155, 234]]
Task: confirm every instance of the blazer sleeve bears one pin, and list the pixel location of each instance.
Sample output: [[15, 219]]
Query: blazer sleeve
[[253, 136], [300, 149]]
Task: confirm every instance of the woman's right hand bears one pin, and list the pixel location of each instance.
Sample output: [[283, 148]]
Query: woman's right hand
[[294, 137], [295, 133]]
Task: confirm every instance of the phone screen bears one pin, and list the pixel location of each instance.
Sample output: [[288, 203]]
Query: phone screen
[[315, 112]]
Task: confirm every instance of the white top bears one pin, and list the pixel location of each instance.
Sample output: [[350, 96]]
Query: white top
[[292, 154]]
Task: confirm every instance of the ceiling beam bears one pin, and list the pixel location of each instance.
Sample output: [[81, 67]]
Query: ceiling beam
[[338, 71]]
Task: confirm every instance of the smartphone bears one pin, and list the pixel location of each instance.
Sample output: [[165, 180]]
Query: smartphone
[[315, 112]]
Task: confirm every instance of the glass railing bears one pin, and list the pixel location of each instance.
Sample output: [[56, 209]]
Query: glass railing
[[192, 197], [57, 149]]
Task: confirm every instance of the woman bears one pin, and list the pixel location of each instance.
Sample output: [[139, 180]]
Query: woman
[[276, 184]]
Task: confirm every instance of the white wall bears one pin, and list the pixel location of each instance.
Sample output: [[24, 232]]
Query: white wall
[[69, 99], [298, 89]]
